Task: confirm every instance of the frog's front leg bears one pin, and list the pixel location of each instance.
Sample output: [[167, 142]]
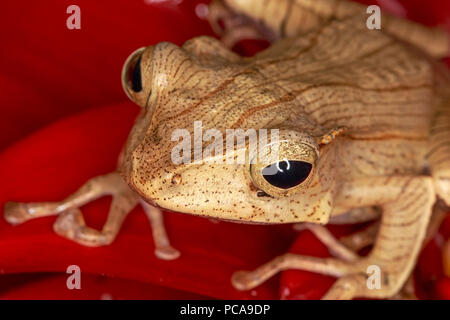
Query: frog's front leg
[[335, 246], [246, 280], [70, 223], [407, 205]]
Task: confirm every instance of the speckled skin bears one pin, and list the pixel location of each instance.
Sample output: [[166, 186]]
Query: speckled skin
[[387, 98], [372, 106]]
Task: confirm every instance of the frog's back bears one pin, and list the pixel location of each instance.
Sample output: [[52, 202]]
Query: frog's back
[[345, 75]]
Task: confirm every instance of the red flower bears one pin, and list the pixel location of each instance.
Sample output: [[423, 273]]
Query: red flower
[[63, 121]]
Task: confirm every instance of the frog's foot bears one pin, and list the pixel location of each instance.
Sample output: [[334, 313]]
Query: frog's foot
[[71, 225], [220, 17], [233, 27], [244, 32]]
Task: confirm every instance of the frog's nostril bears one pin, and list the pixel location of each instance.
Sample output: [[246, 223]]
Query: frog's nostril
[[176, 179], [136, 80]]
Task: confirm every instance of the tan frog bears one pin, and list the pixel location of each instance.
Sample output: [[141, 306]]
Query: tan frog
[[363, 118]]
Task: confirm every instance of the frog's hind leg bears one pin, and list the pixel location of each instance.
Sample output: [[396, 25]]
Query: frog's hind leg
[[359, 240], [246, 280], [407, 209], [367, 237], [70, 223], [289, 18], [278, 18], [342, 266]]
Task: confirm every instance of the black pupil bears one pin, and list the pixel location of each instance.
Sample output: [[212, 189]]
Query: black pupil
[[136, 82], [287, 174]]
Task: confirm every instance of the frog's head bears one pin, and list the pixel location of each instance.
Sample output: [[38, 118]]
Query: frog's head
[[177, 155]]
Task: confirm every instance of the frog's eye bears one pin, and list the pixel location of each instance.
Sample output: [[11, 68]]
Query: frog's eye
[[136, 80], [132, 73], [287, 174]]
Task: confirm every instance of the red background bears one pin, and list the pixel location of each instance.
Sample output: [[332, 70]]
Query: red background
[[64, 119]]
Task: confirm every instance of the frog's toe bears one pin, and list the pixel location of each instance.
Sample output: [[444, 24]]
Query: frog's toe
[[244, 280], [68, 223], [167, 253], [217, 13], [16, 212]]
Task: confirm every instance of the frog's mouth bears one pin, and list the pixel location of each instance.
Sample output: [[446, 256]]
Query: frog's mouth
[[215, 218], [219, 213]]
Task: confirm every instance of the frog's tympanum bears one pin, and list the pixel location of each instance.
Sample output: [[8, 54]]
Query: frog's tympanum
[[364, 127]]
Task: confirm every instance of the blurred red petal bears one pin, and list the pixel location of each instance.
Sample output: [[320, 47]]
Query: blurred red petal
[[93, 287], [443, 289], [51, 71]]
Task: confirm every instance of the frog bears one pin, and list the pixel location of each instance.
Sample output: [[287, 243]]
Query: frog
[[362, 118]]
